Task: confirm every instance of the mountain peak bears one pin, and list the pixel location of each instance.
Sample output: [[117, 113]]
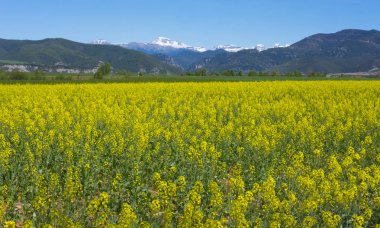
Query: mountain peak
[[354, 31], [100, 42], [167, 42], [278, 45], [230, 48], [260, 47], [234, 48]]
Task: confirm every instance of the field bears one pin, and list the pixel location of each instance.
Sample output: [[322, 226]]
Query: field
[[40, 77], [210, 154]]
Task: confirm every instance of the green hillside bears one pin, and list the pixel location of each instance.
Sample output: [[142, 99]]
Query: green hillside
[[65, 53], [344, 51]]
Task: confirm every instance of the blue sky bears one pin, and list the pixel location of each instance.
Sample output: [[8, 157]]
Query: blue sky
[[196, 22]]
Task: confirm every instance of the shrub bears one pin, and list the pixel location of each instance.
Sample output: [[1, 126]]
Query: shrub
[[18, 75], [103, 70]]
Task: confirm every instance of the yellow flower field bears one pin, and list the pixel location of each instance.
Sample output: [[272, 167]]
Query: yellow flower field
[[252, 154]]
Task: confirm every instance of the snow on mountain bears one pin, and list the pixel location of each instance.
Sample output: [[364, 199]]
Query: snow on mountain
[[101, 42], [167, 42], [234, 48], [198, 49], [230, 48], [280, 46], [260, 47], [163, 41]]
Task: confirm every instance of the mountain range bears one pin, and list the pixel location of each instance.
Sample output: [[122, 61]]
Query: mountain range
[[184, 56], [166, 45], [63, 55], [345, 51]]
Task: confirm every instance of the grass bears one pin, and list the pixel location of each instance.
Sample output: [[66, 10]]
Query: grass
[[11, 62], [30, 78]]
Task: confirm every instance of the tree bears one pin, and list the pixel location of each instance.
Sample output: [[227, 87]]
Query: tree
[[252, 73], [200, 72], [317, 74], [294, 74], [18, 75], [103, 69], [228, 73]]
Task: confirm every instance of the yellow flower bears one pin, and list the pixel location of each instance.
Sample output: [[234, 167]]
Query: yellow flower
[[275, 224], [27, 224], [181, 183], [155, 206], [357, 221], [241, 154], [330, 219], [194, 197], [156, 177], [10, 224], [309, 222], [210, 223], [127, 217], [216, 200]]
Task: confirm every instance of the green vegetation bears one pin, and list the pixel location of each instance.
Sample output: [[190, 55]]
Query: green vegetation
[[216, 154], [103, 70], [341, 52], [39, 77], [252, 73], [61, 53], [11, 62]]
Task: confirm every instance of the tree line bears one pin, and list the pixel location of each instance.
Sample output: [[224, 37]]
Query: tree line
[[106, 69], [252, 73]]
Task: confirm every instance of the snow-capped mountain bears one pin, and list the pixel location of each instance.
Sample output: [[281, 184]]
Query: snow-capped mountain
[[182, 55], [100, 42], [163, 41], [260, 47], [164, 45], [167, 42], [281, 46], [198, 49], [234, 48], [230, 48]]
